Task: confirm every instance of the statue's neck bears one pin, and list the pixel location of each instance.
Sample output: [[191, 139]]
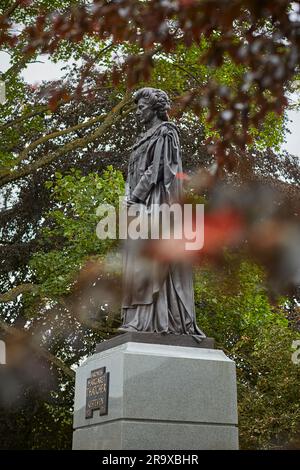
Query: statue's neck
[[153, 123]]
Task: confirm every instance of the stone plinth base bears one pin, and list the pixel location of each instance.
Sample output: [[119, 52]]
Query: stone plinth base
[[160, 396]]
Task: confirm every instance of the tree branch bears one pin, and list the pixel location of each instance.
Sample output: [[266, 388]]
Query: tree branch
[[52, 135], [16, 68], [115, 115], [35, 112], [183, 69], [10, 10], [13, 293], [39, 110]]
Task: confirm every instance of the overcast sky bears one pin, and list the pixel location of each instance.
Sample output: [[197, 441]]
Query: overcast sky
[[37, 72]]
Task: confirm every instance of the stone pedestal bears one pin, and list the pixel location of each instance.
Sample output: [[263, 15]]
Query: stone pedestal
[[160, 396]]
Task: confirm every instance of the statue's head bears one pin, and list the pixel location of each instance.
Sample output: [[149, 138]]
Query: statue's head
[[151, 102]]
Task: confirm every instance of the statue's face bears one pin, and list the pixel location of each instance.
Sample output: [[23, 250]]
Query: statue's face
[[144, 112]]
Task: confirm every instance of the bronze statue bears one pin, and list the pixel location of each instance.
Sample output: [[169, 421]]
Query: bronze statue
[[158, 297]]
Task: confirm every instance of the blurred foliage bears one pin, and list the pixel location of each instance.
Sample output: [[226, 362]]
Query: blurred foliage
[[178, 72], [248, 52]]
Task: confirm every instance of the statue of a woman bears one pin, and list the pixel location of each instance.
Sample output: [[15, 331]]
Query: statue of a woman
[[158, 297]]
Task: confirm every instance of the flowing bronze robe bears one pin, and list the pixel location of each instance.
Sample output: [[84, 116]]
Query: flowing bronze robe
[[158, 297]]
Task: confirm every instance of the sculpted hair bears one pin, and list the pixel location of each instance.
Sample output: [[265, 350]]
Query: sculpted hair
[[158, 99]]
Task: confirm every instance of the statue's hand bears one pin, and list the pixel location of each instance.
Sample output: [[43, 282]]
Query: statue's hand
[[132, 200]]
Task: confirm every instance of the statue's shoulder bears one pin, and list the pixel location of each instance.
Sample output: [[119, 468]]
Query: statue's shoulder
[[167, 127], [162, 129]]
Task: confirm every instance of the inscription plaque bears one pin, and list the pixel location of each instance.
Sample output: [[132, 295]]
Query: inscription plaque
[[97, 392]]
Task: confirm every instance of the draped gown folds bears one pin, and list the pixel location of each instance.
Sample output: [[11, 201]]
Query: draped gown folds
[[157, 297]]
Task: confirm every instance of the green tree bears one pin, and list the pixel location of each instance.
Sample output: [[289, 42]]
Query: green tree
[[233, 307]]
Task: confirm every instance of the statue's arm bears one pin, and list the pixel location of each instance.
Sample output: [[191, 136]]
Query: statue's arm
[[153, 173], [164, 165]]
